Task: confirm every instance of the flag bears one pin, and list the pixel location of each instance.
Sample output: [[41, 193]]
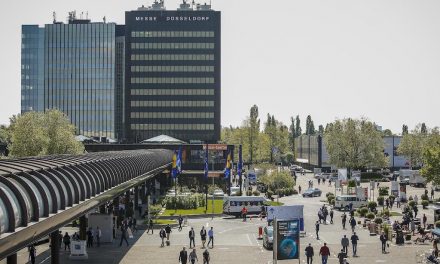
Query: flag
[[206, 168], [174, 169], [240, 161], [179, 161], [228, 166]]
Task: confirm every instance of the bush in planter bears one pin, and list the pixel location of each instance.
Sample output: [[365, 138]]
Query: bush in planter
[[424, 197], [380, 200], [256, 193], [392, 197], [329, 194], [425, 203], [329, 198], [248, 193], [437, 224], [383, 191], [363, 211], [378, 220], [372, 205], [385, 212], [370, 216], [351, 183], [411, 203], [410, 198]]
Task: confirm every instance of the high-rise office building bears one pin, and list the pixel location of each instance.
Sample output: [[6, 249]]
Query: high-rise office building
[[173, 72], [72, 67]]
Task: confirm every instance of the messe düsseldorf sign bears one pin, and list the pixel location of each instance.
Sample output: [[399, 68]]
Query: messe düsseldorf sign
[[173, 18]]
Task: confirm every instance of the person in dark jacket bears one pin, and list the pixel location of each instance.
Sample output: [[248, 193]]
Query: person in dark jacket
[[383, 238], [123, 235], [192, 236], [352, 224], [354, 242], [183, 256], [309, 254], [162, 235], [168, 231], [325, 253], [66, 240], [344, 220], [317, 229], [345, 243]]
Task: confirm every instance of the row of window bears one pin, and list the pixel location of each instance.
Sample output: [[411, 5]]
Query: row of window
[[172, 126], [172, 34], [172, 103], [157, 45], [182, 115], [185, 68], [172, 57], [173, 80], [172, 92]]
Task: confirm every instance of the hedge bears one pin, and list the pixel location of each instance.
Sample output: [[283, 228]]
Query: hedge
[[192, 201]]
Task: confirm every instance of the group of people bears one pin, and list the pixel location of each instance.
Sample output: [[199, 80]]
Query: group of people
[[93, 236], [323, 213], [192, 257]]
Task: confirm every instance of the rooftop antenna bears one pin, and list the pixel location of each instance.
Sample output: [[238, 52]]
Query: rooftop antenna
[[54, 15], [104, 19], [87, 15], [81, 16]]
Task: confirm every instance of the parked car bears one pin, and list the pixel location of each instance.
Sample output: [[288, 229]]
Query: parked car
[[268, 237], [312, 192], [171, 192], [219, 193], [235, 191]]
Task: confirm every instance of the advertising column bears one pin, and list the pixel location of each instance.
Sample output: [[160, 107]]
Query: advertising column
[[286, 240]]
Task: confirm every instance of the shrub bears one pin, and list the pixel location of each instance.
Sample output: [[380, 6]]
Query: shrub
[[295, 192], [424, 197], [425, 203], [383, 191], [392, 197], [410, 198], [332, 202], [380, 200], [372, 205], [351, 183], [192, 201], [437, 224], [329, 194], [363, 211], [192, 190], [370, 216], [249, 193], [256, 193], [378, 220], [269, 193], [412, 203], [330, 198]]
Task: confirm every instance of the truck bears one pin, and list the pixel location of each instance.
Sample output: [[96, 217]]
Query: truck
[[412, 177]]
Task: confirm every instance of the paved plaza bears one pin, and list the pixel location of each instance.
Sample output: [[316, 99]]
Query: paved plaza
[[237, 241]]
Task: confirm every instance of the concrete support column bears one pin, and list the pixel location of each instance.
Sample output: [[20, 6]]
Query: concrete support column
[[12, 259], [116, 211], [143, 193], [55, 238], [102, 209], [136, 197], [82, 227]]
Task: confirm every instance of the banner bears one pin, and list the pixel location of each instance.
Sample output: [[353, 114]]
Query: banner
[[228, 165], [206, 167], [240, 161], [287, 239]]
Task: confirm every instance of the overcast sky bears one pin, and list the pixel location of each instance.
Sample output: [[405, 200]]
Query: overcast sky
[[331, 59]]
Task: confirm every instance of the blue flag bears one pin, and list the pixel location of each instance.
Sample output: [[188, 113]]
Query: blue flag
[[206, 168], [240, 161], [228, 165], [174, 169], [179, 161]]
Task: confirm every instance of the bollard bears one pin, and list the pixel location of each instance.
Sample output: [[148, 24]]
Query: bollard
[[260, 232]]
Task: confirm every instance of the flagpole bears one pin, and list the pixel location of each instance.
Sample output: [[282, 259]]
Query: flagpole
[[206, 178]]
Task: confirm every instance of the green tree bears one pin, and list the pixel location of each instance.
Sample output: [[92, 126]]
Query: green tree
[[355, 144], [387, 133], [298, 131], [292, 134], [431, 162], [321, 129], [423, 129], [412, 146], [253, 131], [404, 129], [36, 133], [310, 127]]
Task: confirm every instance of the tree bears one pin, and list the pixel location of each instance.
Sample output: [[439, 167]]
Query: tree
[[270, 130], [412, 146], [310, 127], [404, 129], [387, 133], [355, 144], [321, 129], [298, 130], [423, 129], [254, 130], [431, 162], [36, 133]]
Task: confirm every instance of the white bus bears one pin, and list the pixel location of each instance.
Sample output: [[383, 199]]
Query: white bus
[[343, 202], [233, 205]]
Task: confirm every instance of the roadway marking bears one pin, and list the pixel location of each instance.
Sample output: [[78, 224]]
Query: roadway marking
[[44, 260], [249, 239]]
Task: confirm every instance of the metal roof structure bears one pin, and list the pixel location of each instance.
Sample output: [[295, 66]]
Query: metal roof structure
[[62, 188], [163, 139]]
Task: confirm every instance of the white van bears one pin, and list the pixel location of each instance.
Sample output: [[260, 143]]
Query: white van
[[232, 205], [235, 191], [343, 202]]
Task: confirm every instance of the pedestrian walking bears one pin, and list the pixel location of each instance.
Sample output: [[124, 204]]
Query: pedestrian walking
[[123, 234], [341, 256], [75, 236], [383, 239], [317, 229], [331, 216], [416, 210], [183, 256], [435, 248], [412, 226], [193, 256], [211, 237], [180, 222], [192, 237], [206, 257], [387, 203], [98, 235], [162, 235], [90, 238], [244, 213], [324, 252], [432, 193], [345, 243], [203, 236], [416, 199], [168, 231], [299, 189], [319, 181], [424, 219], [398, 202], [134, 224], [66, 240], [352, 224], [309, 253], [32, 253], [354, 241], [150, 226], [344, 220]]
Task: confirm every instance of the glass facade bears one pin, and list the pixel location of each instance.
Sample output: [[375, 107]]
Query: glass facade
[[32, 76], [173, 74], [79, 75]]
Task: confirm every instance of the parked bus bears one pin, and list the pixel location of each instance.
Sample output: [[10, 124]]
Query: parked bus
[[233, 205]]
